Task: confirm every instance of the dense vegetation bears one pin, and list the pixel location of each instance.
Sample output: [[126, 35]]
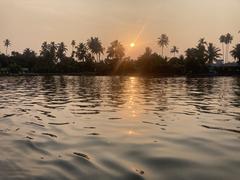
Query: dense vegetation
[[87, 58]]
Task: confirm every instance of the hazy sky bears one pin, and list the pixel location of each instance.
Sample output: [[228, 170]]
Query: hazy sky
[[27, 23]]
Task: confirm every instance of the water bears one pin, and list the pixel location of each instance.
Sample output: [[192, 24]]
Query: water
[[119, 128]]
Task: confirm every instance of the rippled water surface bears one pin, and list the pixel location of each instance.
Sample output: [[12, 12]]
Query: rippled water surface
[[63, 127]]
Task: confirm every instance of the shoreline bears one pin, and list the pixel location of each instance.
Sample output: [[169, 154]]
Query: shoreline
[[122, 75]]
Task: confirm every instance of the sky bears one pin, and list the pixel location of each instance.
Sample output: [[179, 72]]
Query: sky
[[27, 23]]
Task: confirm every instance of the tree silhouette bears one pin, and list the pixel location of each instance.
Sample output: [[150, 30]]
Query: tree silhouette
[[201, 50], [222, 40], [61, 51], [15, 54], [52, 51], [174, 50], [44, 52], [146, 56], [228, 41], [116, 50], [163, 41], [73, 44], [239, 33], [148, 52], [29, 53], [196, 60], [236, 52], [191, 53], [202, 42], [7, 43], [48, 51], [95, 46], [81, 52], [212, 53]]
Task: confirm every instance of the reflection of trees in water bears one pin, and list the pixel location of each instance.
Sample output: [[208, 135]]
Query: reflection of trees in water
[[88, 89], [62, 91], [154, 94], [200, 91], [200, 87], [18, 91], [113, 88], [236, 90], [86, 94], [54, 91], [153, 90], [82, 93], [49, 87]]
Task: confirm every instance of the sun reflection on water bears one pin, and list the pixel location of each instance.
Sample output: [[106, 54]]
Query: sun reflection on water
[[131, 99], [132, 133]]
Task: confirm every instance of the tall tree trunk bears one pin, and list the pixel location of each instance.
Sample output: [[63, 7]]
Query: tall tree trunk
[[72, 52], [93, 56], [162, 51], [223, 53], [227, 49], [6, 51]]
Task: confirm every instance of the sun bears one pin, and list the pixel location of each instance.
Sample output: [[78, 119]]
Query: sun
[[132, 45]]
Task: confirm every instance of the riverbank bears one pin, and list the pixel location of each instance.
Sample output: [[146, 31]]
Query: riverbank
[[126, 74]]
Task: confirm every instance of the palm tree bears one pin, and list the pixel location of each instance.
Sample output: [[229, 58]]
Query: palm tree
[[174, 50], [73, 44], [29, 53], [201, 50], [239, 33], [7, 43], [222, 40], [116, 50], [148, 52], [81, 52], [202, 42], [163, 41], [236, 52], [61, 51], [212, 53], [52, 51], [44, 52], [101, 51], [228, 41], [95, 46]]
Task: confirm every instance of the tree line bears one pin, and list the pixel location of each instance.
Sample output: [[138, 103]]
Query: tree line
[[87, 58]]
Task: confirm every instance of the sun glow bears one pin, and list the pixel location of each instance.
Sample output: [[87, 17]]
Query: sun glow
[[132, 45]]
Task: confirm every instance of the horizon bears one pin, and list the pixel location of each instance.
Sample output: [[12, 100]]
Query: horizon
[[36, 21]]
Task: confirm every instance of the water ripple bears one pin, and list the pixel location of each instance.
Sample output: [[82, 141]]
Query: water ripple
[[71, 127]]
